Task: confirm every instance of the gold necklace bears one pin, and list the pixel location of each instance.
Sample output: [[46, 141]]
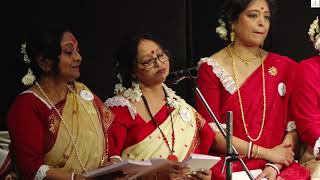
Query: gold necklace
[[68, 129], [240, 99], [246, 61]]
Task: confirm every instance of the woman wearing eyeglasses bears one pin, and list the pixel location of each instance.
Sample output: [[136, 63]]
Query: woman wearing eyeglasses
[[151, 121]]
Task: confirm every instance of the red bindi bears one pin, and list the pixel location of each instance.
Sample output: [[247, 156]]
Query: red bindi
[[152, 51], [262, 8]]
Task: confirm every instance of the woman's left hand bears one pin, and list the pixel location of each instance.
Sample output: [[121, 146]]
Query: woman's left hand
[[204, 174], [269, 173]]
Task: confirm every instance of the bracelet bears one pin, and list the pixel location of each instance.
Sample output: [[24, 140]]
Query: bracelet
[[274, 167], [249, 150], [72, 176], [116, 157]]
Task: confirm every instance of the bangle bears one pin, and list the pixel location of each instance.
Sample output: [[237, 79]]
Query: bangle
[[72, 176], [257, 152], [249, 150], [274, 167], [254, 150]]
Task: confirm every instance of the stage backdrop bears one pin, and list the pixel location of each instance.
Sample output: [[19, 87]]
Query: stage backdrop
[[187, 27]]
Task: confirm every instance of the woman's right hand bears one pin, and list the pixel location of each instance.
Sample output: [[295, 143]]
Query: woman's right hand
[[281, 154], [177, 170]]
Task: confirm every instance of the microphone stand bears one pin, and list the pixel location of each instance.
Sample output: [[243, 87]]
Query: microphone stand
[[231, 153]]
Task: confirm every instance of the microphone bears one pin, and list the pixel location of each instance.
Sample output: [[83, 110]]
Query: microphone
[[177, 76]]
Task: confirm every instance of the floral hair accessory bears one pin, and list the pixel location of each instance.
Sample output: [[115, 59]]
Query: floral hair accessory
[[119, 88], [29, 78], [314, 33], [221, 30]]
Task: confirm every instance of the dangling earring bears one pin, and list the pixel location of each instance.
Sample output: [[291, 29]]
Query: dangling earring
[[232, 35]]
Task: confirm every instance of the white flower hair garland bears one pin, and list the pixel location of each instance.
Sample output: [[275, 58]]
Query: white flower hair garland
[[29, 78], [221, 30], [314, 33]]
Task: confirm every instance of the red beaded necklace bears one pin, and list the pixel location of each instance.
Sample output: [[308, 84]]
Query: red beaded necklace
[[171, 156]]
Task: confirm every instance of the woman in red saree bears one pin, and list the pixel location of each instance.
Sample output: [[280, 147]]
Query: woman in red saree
[[58, 128], [256, 85], [151, 121], [305, 106]]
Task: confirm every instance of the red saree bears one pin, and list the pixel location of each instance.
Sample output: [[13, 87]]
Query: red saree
[[306, 111], [306, 96], [218, 89]]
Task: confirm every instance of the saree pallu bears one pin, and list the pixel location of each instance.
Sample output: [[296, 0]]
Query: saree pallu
[[188, 126], [84, 131]]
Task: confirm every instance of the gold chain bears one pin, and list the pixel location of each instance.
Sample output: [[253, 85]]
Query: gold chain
[[246, 61], [68, 129], [240, 99]]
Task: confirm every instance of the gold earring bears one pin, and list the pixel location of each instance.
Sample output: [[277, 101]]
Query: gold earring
[[232, 34], [232, 37]]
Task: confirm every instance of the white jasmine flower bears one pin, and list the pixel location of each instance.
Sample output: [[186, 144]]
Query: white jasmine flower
[[221, 30], [29, 78], [134, 94], [172, 102], [24, 52], [313, 30], [317, 44], [118, 88]]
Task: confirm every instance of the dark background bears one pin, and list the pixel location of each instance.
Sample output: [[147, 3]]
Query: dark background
[[187, 28]]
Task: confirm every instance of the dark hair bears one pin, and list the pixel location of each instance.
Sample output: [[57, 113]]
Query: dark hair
[[45, 44], [231, 9], [126, 56]]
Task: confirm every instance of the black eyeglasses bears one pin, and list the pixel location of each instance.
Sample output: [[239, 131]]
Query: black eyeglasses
[[151, 62]]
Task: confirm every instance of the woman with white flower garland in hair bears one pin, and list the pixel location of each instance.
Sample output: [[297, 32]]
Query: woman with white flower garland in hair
[[306, 109], [256, 85], [151, 121], [58, 128]]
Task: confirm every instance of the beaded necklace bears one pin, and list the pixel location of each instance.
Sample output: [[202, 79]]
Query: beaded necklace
[[68, 129], [171, 156]]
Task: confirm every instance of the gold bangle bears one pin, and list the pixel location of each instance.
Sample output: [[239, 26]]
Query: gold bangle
[[257, 152], [254, 151]]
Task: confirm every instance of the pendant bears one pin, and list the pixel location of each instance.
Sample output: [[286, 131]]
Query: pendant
[[172, 157]]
